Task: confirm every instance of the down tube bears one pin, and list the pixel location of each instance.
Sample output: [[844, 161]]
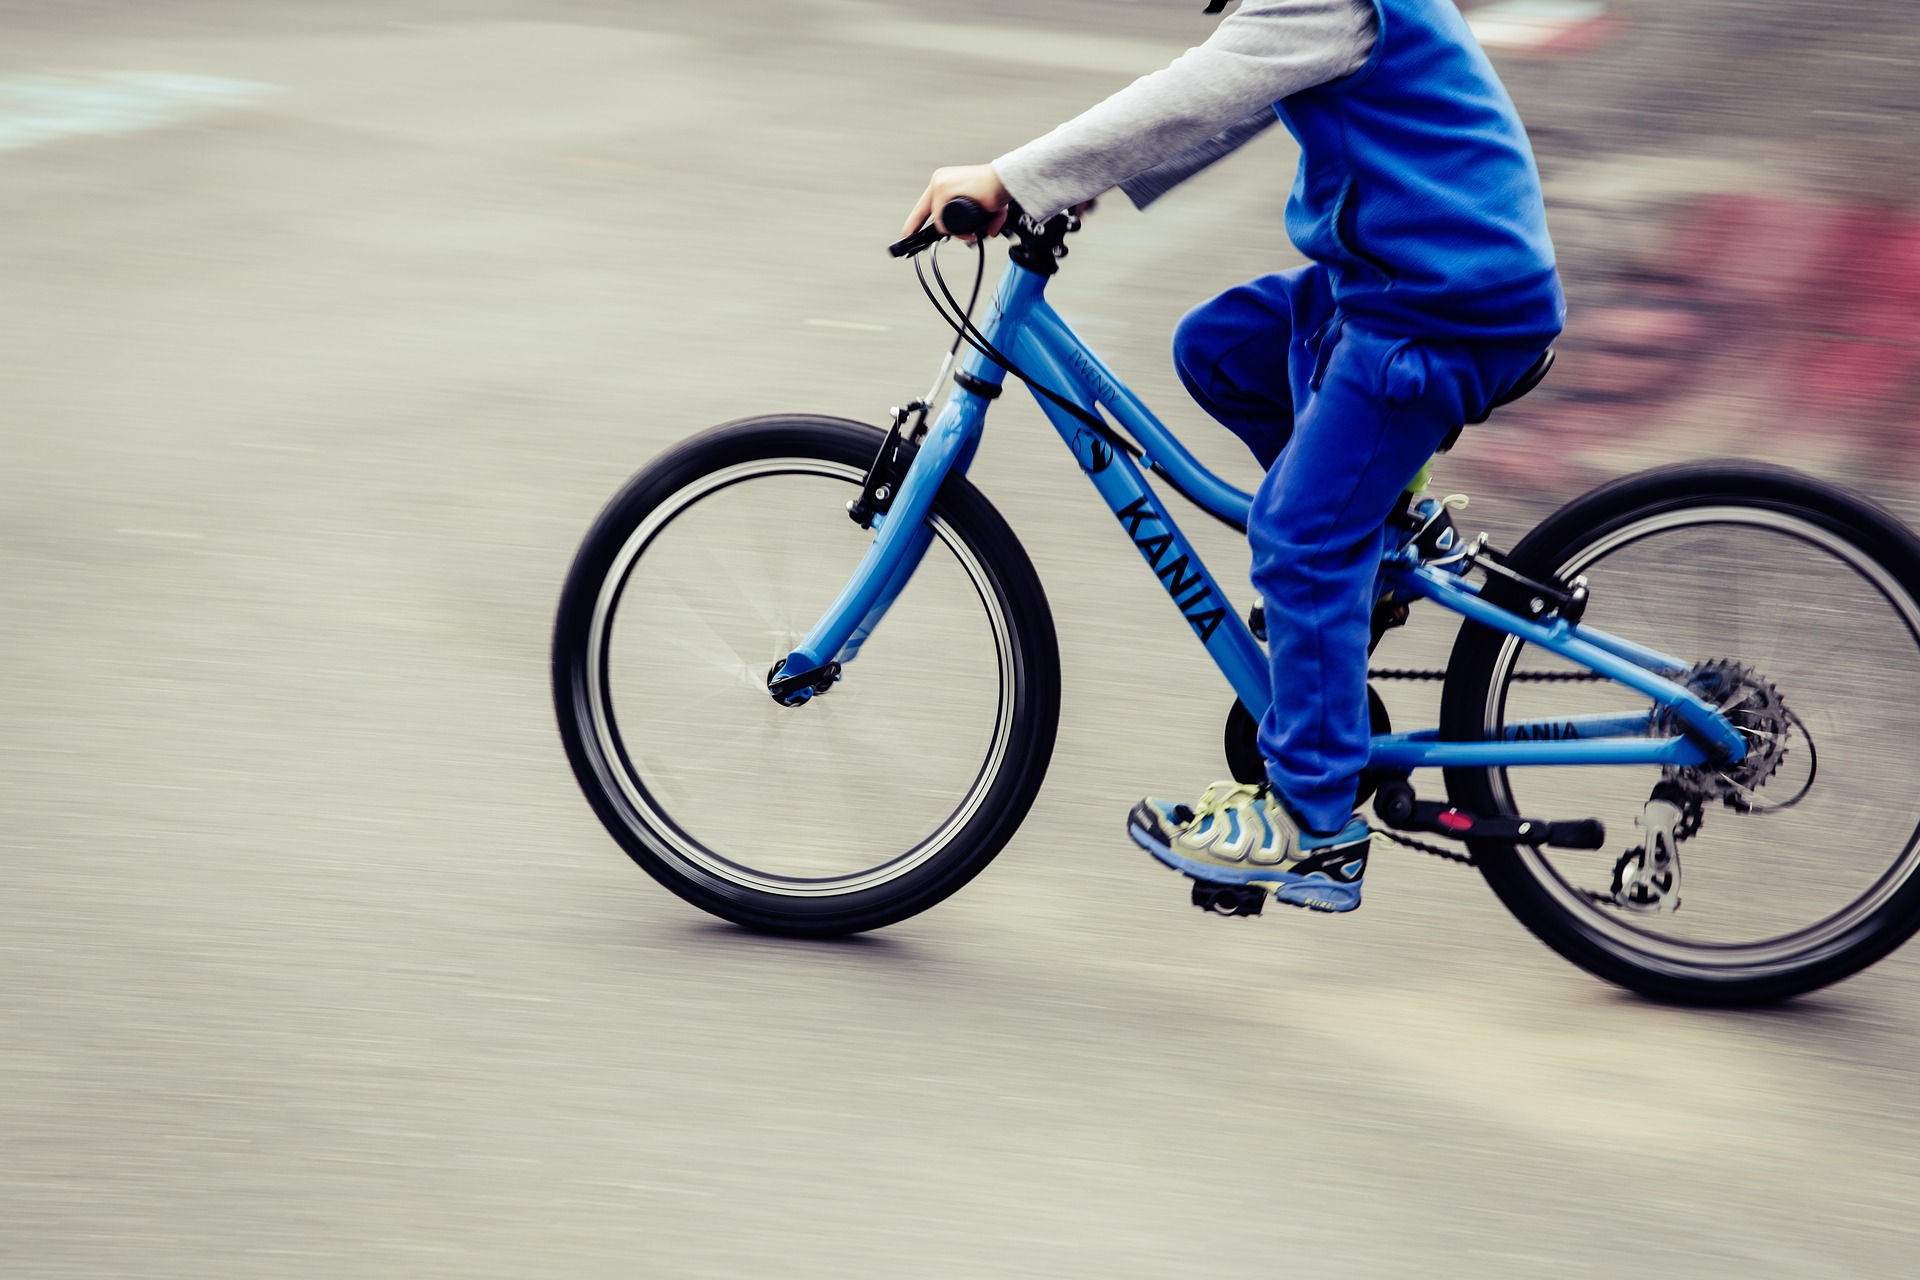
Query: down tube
[[1152, 531]]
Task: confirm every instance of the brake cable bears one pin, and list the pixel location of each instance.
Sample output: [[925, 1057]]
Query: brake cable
[[968, 332], [973, 300]]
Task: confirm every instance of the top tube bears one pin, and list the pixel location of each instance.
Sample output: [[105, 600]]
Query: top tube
[[1165, 453]]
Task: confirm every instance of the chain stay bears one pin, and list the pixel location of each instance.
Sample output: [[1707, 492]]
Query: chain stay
[[1413, 673]]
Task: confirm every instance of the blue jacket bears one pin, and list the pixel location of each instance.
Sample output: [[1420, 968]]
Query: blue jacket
[[1417, 188]]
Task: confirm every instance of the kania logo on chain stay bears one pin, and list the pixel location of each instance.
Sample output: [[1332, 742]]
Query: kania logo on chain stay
[[1199, 608], [1545, 731]]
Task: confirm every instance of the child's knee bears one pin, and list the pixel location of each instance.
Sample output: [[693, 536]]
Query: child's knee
[[1231, 351], [1196, 350]]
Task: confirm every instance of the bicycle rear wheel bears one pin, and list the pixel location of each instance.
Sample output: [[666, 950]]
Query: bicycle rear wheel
[[873, 800], [1800, 604]]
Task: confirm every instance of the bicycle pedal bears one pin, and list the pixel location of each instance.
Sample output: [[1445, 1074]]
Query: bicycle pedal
[[1229, 899]]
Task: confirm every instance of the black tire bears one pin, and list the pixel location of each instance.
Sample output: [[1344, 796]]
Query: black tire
[[1004, 797], [1469, 713]]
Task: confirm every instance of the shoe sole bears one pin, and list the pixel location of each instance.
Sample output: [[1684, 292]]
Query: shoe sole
[[1310, 893]]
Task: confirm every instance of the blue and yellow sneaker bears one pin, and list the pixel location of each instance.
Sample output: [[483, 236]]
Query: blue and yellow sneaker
[[1240, 834]]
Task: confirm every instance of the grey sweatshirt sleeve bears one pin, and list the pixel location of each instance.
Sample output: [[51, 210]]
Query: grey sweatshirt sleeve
[[1144, 188], [1180, 119]]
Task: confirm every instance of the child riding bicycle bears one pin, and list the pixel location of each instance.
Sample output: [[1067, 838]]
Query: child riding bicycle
[[1429, 292]]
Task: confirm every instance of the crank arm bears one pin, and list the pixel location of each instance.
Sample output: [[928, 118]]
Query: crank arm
[[1445, 820], [1398, 808]]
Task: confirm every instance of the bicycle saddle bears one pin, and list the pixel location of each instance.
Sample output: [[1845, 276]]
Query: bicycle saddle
[[1527, 382]]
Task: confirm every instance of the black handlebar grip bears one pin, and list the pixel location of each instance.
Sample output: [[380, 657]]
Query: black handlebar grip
[[964, 217]]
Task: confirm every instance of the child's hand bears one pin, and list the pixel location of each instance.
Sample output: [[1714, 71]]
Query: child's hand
[[978, 182]]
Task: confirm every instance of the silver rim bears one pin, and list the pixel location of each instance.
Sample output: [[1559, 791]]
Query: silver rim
[[652, 822], [1772, 956]]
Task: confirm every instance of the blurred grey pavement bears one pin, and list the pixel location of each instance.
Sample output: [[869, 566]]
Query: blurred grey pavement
[[328, 328]]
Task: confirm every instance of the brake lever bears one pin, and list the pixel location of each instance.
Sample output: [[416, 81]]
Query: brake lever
[[919, 242]]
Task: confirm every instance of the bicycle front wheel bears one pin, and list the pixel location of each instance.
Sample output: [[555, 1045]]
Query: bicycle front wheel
[[1796, 607], [871, 801]]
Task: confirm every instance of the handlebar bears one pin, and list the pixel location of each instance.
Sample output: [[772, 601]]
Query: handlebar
[[961, 217]]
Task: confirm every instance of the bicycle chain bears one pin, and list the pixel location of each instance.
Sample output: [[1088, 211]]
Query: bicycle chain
[[1692, 811], [1450, 855]]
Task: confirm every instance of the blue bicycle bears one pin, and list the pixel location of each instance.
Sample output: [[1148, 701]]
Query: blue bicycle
[[1719, 656]]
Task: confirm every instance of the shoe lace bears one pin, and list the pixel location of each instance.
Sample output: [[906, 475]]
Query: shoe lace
[[1222, 796]]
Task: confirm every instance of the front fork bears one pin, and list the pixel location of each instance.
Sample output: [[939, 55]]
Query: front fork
[[903, 532]]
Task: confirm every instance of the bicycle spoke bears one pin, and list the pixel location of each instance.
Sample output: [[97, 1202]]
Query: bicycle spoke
[[1795, 616], [855, 777]]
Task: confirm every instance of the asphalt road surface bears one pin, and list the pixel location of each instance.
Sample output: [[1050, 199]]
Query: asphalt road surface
[[327, 329]]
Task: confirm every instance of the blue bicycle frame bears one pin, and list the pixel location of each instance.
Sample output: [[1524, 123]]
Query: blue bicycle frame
[[1022, 325]]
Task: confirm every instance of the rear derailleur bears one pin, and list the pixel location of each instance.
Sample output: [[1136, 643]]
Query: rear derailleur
[[1646, 879]]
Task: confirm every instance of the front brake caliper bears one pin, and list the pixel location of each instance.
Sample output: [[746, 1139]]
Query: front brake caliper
[[890, 465]]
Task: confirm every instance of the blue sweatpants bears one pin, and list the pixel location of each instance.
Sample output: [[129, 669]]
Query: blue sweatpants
[[1342, 418]]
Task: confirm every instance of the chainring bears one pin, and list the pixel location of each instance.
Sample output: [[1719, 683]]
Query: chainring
[[1242, 743]]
